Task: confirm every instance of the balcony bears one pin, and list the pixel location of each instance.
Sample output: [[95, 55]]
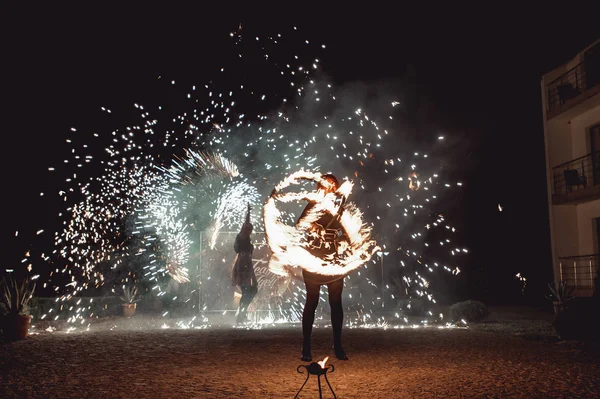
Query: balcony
[[577, 181], [575, 86], [580, 272]]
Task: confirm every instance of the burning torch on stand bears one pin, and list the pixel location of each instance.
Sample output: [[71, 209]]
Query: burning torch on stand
[[319, 369]]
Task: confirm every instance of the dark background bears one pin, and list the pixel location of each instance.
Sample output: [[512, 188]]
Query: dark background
[[479, 70]]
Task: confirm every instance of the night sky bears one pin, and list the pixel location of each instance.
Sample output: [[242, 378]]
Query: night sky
[[478, 78]]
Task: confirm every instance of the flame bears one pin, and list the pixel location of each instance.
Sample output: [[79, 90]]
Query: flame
[[413, 183], [323, 362], [289, 244]]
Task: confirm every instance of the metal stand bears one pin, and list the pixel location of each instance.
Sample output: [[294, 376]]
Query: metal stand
[[316, 369]]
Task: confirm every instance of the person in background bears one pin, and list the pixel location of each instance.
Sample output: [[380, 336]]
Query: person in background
[[242, 274]]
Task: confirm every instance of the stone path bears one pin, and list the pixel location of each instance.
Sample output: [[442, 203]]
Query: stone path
[[240, 363]]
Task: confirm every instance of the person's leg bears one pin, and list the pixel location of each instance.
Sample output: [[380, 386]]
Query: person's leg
[[251, 291], [337, 316], [241, 317], [308, 316]]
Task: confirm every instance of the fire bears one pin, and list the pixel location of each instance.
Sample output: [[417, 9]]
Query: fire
[[413, 183], [289, 243], [323, 362]]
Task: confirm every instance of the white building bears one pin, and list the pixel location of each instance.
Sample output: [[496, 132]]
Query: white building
[[571, 112]]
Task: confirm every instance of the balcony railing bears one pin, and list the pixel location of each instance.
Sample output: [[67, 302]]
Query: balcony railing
[[580, 272], [577, 175], [570, 85]]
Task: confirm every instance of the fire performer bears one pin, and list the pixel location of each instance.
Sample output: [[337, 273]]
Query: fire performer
[[325, 234], [328, 241], [243, 270]]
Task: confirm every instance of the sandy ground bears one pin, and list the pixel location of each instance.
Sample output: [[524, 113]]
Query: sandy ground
[[227, 362]]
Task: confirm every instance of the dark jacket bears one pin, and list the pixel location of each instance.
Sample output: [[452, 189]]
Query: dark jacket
[[323, 246], [243, 245], [243, 269], [325, 220]]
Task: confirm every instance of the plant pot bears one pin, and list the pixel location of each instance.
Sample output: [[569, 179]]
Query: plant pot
[[128, 309], [16, 327]]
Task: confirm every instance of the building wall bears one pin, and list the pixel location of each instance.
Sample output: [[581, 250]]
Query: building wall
[[573, 230], [560, 143], [575, 234], [549, 179], [566, 230], [580, 126], [586, 270], [569, 139], [572, 224], [586, 213]]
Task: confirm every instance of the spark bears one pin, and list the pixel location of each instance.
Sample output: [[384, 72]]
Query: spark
[[172, 179]]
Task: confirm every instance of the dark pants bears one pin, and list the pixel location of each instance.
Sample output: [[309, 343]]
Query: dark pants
[[248, 293], [335, 288]]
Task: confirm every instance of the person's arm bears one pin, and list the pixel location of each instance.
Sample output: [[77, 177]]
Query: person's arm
[[306, 211]]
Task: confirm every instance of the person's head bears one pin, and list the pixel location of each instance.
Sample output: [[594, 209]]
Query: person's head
[[329, 183]]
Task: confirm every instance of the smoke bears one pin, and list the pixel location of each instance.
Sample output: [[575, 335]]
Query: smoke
[[267, 115]]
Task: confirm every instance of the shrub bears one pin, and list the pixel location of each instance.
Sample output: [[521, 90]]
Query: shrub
[[469, 311], [578, 322], [567, 325]]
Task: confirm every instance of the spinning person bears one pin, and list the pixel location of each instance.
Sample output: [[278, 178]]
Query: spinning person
[[326, 233], [242, 274], [328, 241]]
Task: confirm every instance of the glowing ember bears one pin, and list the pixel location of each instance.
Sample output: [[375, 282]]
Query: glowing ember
[[413, 182]]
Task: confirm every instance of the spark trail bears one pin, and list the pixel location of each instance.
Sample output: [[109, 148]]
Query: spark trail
[[171, 176]]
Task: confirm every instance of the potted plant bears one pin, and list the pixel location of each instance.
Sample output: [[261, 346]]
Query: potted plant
[[130, 297], [560, 295], [14, 304]]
